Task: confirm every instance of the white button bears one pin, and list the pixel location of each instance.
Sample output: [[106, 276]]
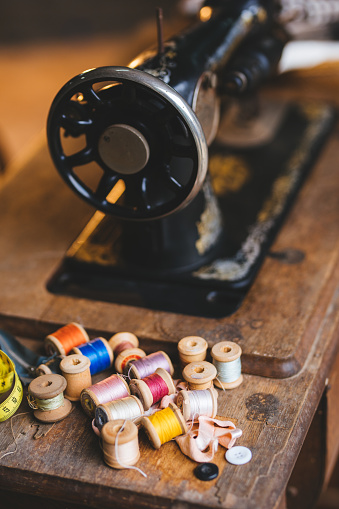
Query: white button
[[238, 455]]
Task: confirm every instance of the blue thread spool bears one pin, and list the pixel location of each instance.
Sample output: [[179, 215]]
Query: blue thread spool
[[98, 352]]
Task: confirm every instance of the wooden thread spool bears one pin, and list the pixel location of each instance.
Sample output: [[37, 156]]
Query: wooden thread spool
[[99, 353], [76, 369], [149, 364], [110, 389], [147, 395], [125, 349], [47, 398], [120, 443], [192, 349], [227, 360], [50, 367], [163, 426], [64, 339], [195, 403], [199, 375], [126, 408]]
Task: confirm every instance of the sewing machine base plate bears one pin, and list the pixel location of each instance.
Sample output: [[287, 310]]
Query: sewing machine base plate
[[255, 186]]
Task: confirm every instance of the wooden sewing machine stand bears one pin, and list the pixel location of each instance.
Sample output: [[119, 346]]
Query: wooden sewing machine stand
[[287, 327]]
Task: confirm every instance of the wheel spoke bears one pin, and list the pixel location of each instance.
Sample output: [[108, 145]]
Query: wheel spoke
[[91, 96], [74, 127], [173, 185], [106, 184], [84, 156]]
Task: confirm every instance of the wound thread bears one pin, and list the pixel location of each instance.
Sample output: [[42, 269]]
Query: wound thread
[[157, 386], [166, 425], [64, 339], [126, 408], [146, 366], [110, 389], [45, 404], [98, 352]]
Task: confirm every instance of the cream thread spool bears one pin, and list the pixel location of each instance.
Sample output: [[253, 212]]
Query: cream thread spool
[[144, 393], [48, 400], [152, 431], [195, 403], [126, 408], [192, 349], [98, 394], [227, 359], [64, 339], [123, 449], [153, 361], [199, 375], [128, 354], [76, 369]]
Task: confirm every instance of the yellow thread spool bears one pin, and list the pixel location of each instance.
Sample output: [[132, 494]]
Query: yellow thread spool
[[123, 449], [199, 375], [192, 349], [76, 369], [164, 425], [47, 388]]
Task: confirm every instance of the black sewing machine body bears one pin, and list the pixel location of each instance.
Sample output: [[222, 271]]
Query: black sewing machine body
[[187, 212]]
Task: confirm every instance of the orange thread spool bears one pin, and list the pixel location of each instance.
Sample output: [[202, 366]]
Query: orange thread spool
[[64, 339]]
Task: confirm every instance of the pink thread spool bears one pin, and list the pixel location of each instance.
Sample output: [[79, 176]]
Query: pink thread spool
[[125, 349], [153, 388], [149, 364], [111, 388]]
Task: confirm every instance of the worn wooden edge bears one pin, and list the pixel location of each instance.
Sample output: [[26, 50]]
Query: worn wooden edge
[[67, 490]]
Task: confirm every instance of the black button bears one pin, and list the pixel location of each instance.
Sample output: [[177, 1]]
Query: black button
[[206, 471]]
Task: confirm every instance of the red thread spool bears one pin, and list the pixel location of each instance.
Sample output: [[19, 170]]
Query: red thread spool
[[153, 388], [64, 339], [125, 349]]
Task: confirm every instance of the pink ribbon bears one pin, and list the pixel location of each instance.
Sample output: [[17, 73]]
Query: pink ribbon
[[202, 440]]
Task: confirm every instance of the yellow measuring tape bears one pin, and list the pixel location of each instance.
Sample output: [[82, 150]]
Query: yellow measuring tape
[[7, 375]]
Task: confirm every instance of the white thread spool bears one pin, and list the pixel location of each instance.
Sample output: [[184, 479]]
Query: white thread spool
[[199, 375], [47, 394], [76, 369], [195, 403], [123, 448], [127, 355], [192, 349], [226, 358], [143, 392], [126, 408]]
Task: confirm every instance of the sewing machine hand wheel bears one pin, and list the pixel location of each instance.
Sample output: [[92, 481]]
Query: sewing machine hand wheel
[[140, 135]]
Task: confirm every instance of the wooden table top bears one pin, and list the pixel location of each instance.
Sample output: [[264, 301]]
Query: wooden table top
[[287, 328]]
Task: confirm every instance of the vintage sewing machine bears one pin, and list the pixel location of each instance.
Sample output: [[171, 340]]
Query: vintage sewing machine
[[190, 167]]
